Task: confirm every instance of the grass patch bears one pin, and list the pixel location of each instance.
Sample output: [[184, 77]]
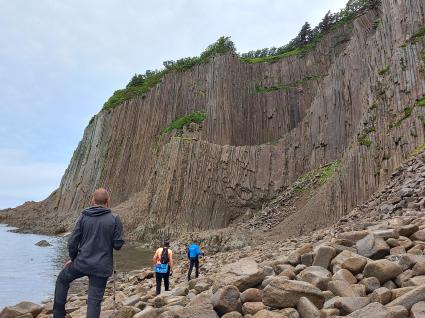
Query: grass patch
[[274, 58], [384, 71], [364, 140], [417, 151], [184, 121], [122, 95], [316, 177], [407, 112], [265, 89], [421, 102], [419, 34]]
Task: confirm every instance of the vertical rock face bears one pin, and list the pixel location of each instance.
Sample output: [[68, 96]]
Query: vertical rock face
[[352, 98]]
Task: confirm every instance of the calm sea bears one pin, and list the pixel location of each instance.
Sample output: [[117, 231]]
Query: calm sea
[[28, 272]]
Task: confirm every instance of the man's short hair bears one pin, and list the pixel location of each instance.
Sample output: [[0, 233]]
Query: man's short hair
[[100, 196], [167, 243]]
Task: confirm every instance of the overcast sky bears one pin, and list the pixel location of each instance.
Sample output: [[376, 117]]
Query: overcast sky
[[60, 60]]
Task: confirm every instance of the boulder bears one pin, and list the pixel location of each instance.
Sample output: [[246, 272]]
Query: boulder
[[243, 274], [282, 293], [381, 295], [347, 305], [285, 270], [226, 299], [375, 310], [371, 283], [252, 295], [307, 259], [268, 314], [43, 243], [418, 236], [233, 314], [373, 247], [346, 275], [397, 292], [354, 264], [315, 275], [418, 310], [419, 269], [131, 301], [343, 256], [307, 309], [407, 230], [290, 313], [383, 270], [329, 312], [410, 298], [397, 312], [180, 291], [20, 309], [324, 256], [251, 308], [341, 288]]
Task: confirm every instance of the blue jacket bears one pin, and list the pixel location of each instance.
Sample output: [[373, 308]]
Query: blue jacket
[[96, 233], [193, 251]]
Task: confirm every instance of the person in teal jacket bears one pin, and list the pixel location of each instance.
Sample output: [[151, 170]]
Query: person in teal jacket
[[193, 253]]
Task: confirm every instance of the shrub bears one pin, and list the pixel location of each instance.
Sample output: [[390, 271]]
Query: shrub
[[184, 121], [307, 38], [140, 84]]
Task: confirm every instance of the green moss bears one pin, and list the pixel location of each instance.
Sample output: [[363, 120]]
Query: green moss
[[421, 102], [364, 140], [385, 70], [407, 112], [417, 150], [279, 87], [184, 121], [316, 177], [419, 34]]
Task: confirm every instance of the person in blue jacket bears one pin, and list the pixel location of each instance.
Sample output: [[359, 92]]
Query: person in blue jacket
[[193, 253]]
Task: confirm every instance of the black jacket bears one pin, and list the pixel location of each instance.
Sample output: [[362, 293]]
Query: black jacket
[[97, 232]]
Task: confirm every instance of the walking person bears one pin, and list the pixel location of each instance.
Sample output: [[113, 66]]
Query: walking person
[[193, 253], [163, 262], [96, 234]]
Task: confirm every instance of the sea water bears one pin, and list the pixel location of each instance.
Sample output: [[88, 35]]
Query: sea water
[[28, 272]]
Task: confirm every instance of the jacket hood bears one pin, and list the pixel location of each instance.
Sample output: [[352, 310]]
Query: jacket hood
[[96, 211]]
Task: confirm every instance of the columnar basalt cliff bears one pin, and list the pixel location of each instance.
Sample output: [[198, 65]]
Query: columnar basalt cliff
[[355, 98]]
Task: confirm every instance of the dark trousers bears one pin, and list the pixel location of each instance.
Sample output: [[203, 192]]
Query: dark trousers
[[97, 287], [162, 276], [193, 262]]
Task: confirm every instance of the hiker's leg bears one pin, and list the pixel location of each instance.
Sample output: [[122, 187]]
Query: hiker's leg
[[189, 274], [158, 277], [197, 268], [167, 281], [65, 277], [97, 287]]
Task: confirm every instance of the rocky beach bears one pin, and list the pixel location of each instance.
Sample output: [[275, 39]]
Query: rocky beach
[[370, 264]]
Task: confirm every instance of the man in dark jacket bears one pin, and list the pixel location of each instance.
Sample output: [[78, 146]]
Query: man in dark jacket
[[96, 233]]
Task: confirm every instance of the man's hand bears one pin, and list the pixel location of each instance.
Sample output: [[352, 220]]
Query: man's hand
[[67, 263]]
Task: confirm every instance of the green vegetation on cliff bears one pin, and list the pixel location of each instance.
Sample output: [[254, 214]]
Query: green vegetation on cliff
[[181, 122], [308, 38], [278, 87], [140, 84], [305, 41], [316, 177]]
